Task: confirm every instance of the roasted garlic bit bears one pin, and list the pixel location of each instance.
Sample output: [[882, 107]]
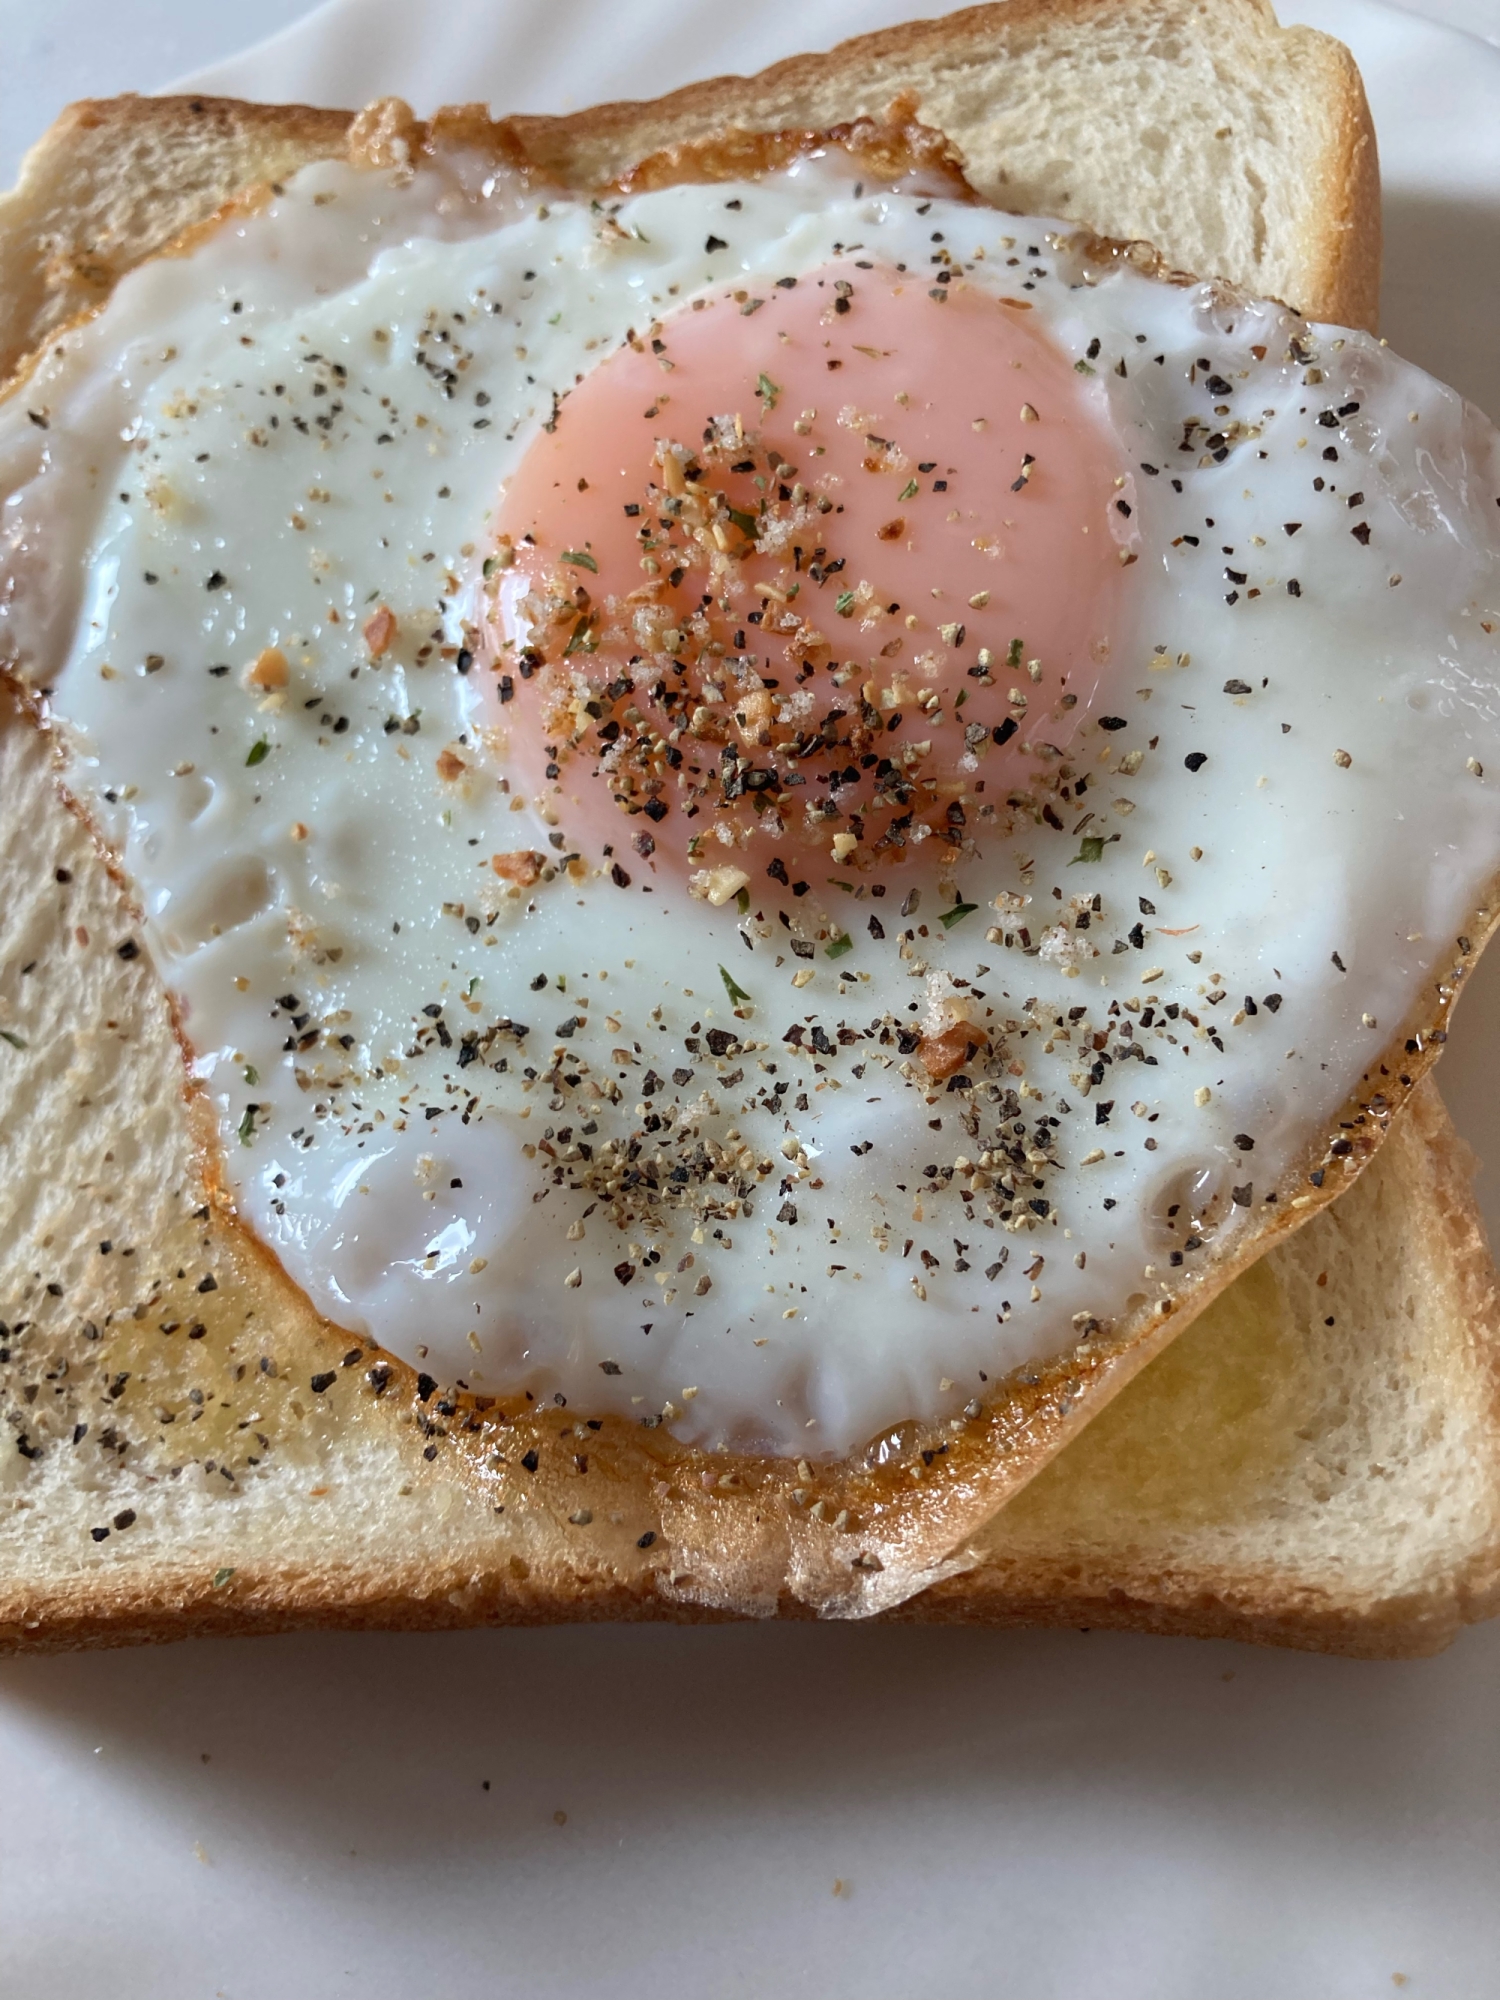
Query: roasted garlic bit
[[944, 1055], [380, 630], [268, 670], [522, 867]]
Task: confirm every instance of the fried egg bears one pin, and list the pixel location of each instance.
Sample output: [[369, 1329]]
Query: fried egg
[[763, 802]]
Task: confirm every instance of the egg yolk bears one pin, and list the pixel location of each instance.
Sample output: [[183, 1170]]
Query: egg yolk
[[824, 572]]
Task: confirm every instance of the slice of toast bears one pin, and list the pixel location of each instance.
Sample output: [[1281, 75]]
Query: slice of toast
[[1240, 149], [118, 182]]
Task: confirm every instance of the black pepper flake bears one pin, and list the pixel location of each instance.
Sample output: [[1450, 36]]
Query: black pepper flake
[[324, 1381], [1293, 588], [647, 1539], [1245, 1143], [1361, 533], [713, 243], [208, 1283], [425, 1387], [624, 1272], [215, 580], [1338, 962], [125, 1518], [130, 949], [1196, 759], [1113, 722]]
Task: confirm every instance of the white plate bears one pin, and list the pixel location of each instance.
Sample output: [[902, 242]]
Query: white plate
[[1025, 1815]]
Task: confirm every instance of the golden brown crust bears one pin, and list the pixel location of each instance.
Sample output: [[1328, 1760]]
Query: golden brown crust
[[1346, 245], [117, 180]]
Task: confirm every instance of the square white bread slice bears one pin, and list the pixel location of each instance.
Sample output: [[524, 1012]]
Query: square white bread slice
[[1258, 143]]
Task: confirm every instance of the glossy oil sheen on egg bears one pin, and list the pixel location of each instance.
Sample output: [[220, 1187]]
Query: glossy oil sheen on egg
[[569, 1125]]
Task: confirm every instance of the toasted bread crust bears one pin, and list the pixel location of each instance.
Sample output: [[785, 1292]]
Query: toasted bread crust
[[118, 180]]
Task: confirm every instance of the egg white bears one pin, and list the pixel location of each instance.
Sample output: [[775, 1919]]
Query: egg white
[[315, 412]]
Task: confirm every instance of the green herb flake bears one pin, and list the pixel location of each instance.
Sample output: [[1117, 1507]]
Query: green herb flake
[[1082, 368], [1013, 653], [746, 523], [742, 901], [14, 1040], [737, 995], [909, 491], [835, 883], [247, 1124], [948, 918], [260, 750], [472, 984], [767, 390], [844, 604], [580, 559], [1091, 848], [583, 639], [836, 947], [221, 1577], [252, 1075]]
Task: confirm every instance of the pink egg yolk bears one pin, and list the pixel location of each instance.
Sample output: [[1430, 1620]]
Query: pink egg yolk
[[828, 573]]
